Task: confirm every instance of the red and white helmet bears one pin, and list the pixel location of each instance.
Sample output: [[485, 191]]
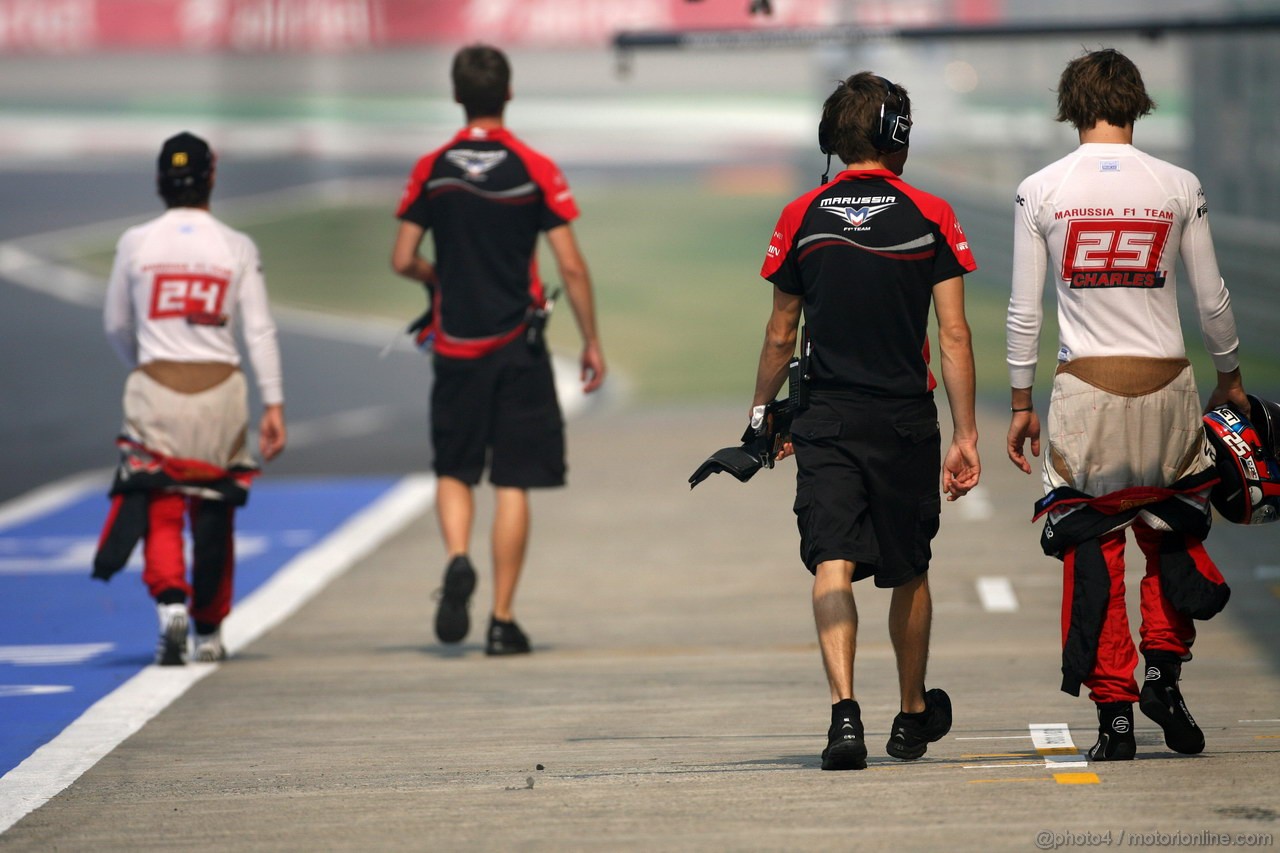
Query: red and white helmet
[[1245, 454]]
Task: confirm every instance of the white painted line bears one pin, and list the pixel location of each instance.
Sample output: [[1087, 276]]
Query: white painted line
[[1059, 762], [53, 655], [52, 555], [997, 595], [79, 746], [58, 280], [116, 716], [1053, 736], [53, 496], [1053, 741], [11, 690], [309, 572], [1266, 573], [260, 207], [351, 423], [1258, 721], [976, 506]]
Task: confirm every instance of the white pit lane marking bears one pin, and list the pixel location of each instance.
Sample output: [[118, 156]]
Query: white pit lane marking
[[997, 595], [8, 691], [1053, 741], [53, 655], [976, 506]]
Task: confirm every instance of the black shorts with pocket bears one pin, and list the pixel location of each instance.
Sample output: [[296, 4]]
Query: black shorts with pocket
[[867, 483], [501, 409]]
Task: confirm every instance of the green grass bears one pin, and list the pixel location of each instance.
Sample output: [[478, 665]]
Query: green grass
[[676, 268], [681, 303]]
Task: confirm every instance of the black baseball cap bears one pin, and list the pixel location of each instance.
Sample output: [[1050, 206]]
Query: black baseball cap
[[185, 161]]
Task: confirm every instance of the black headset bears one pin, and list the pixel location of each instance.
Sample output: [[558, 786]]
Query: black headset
[[892, 134]]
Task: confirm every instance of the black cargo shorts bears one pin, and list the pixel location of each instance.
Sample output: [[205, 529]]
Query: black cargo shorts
[[867, 483]]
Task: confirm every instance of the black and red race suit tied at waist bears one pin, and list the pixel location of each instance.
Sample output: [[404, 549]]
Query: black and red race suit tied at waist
[[142, 472], [1074, 521]]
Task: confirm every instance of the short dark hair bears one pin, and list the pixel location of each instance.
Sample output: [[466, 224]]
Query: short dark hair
[[1103, 85], [481, 80], [851, 115], [184, 171]]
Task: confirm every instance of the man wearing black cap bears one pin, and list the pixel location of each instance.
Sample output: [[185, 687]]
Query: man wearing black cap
[[179, 285]]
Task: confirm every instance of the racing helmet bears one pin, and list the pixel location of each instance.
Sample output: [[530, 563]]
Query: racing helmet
[[1244, 451]]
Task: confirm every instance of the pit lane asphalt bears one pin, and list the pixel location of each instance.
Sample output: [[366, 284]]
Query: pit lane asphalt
[[674, 699]]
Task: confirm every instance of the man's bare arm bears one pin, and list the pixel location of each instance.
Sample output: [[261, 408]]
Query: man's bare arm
[[406, 257], [961, 467], [577, 286], [779, 346]]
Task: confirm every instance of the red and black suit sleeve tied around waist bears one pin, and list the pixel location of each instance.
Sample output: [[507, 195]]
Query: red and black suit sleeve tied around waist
[[485, 197], [1076, 522], [143, 472], [865, 252]]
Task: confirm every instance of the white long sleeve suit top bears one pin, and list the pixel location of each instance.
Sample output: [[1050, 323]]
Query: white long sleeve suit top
[[1110, 221], [179, 285]]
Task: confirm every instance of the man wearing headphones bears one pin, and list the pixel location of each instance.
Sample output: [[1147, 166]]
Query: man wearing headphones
[[1126, 445], [862, 257]]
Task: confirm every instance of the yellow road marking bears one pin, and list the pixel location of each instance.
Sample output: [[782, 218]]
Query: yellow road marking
[[997, 755], [1058, 750], [1005, 781], [1077, 778]]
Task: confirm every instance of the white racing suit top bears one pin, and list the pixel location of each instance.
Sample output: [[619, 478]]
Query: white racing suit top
[[179, 284], [1110, 221]]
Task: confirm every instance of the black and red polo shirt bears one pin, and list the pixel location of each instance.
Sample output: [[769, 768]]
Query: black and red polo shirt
[[485, 197], [865, 251]]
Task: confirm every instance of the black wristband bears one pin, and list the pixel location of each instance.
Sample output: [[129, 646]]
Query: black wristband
[[1027, 409]]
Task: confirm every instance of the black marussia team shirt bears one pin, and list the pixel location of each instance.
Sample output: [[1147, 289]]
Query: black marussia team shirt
[[865, 251], [485, 197]]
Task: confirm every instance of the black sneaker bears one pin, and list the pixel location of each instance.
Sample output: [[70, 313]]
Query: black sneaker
[[1162, 701], [506, 638], [1115, 733], [452, 621], [911, 735], [846, 749]]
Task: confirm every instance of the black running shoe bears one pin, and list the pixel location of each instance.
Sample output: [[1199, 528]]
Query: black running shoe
[[1162, 701], [846, 749], [1115, 733], [911, 737], [452, 621], [506, 638]]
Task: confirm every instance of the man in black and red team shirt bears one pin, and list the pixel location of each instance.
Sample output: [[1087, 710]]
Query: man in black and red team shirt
[[863, 256], [485, 197]]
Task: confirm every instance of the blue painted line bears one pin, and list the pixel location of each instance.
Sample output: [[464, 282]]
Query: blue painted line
[[66, 641]]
